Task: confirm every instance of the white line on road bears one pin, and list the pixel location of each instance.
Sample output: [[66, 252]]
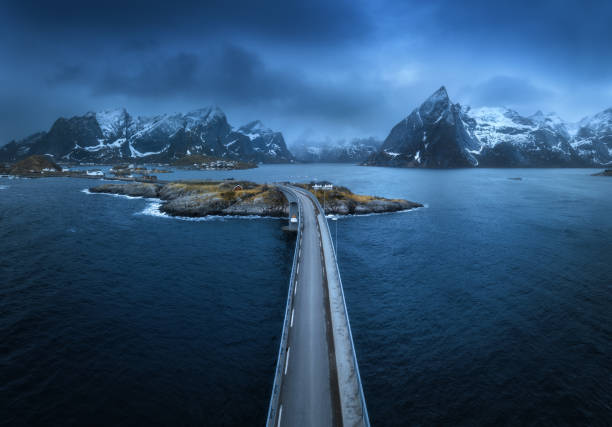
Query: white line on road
[[292, 312], [295, 288], [298, 269], [287, 360], [280, 415]]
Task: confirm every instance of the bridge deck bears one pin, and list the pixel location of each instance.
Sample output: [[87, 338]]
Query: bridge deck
[[314, 386]]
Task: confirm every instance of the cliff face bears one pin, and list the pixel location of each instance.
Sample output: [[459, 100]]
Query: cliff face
[[432, 136]]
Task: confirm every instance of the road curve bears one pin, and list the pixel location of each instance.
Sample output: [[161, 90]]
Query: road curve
[[314, 386]]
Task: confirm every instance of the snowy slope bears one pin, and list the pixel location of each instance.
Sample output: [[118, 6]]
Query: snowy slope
[[115, 135], [269, 145], [593, 139], [442, 134]]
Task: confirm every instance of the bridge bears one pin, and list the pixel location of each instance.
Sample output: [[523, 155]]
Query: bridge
[[317, 380]]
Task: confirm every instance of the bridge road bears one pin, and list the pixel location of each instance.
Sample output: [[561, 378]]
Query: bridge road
[[309, 393]]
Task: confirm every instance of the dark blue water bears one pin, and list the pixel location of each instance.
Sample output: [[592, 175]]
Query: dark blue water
[[492, 306], [110, 317]]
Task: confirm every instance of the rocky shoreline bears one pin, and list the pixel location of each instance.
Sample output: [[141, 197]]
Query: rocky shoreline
[[244, 198]]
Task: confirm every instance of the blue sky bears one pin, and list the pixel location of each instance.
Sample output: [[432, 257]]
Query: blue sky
[[314, 70]]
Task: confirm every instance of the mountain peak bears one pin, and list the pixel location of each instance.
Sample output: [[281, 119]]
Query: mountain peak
[[439, 95], [255, 125], [207, 113], [116, 110], [436, 105], [442, 91], [115, 136], [548, 119], [110, 120]]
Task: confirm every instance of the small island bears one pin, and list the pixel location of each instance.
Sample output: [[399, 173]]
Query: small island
[[607, 172], [38, 166], [244, 198]]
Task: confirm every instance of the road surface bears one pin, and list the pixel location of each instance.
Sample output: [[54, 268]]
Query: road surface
[[309, 388]]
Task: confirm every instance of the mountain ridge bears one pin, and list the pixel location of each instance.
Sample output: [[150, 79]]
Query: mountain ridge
[[115, 135], [443, 134]]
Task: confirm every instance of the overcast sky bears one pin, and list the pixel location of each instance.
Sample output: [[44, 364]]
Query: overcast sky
[[315, 69]]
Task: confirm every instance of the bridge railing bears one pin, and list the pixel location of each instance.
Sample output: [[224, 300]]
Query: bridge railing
[[282, 351], [366, 418]]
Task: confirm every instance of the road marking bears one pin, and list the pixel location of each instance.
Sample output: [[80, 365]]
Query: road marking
[[298, 269], [287, 359], [295, 289], [292, 312], [280, 415]]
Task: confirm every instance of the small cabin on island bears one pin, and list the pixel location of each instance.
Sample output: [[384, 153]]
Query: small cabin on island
[[237, 187]]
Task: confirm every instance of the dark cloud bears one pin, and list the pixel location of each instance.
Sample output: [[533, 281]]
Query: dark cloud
[[341, 69], [67, 73], [233, 75], [168, 76], [507, 91], [568, 37], [297, 21]]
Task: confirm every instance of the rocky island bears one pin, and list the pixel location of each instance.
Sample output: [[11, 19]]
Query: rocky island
[[32, 165], [244, 198], [38, 166], [607, 172]]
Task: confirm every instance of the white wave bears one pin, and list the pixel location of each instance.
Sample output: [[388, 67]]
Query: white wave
[[3, 187], [121, 196], [341, 216], [152, 209]]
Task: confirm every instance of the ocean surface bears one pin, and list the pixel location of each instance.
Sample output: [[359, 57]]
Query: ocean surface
[[490, 306]]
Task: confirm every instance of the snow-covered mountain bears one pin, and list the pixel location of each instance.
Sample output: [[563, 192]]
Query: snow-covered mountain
[[267, 144], [441, 134], [593, 138], [354, 151], [115, 135]]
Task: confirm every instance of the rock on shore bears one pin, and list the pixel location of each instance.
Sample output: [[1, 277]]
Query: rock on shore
[[134, 189], [243, 198], [342, 201]]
